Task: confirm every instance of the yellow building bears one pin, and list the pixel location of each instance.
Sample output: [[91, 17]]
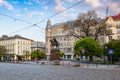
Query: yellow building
[[113, 28], [16, 46], [66, 42]]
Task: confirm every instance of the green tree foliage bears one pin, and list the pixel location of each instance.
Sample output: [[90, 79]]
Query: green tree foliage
[[2, 50], [38, 54], [61, 54], [91, 47], [115, 45]]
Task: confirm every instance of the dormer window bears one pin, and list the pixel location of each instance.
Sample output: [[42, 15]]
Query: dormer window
[[110, 24]]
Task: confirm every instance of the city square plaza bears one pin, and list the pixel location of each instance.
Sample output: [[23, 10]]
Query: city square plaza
[[17, 71]]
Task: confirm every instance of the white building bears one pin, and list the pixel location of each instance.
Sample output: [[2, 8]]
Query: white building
[[16, 46]]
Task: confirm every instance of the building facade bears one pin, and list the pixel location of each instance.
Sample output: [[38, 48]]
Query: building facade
[[113, 28], [66, 41], [38, 46], [16, 46]]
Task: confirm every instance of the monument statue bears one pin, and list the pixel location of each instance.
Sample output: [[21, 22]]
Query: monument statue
[[54, 43], [54, 49]]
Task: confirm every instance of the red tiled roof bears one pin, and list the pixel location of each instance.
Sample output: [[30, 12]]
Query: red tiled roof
[[116, 17]]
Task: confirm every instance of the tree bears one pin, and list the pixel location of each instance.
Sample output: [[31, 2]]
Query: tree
[[38, 54], [115, 45], [91, 47], [87, 24], [77, 53], [2, 51]]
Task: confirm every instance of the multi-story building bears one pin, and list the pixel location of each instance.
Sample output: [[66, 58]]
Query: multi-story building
[[66, 41], [113, 27], [16, 46], [38, 46]]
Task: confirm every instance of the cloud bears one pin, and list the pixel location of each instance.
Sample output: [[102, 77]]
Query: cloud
[[19, 15], [35, 13], [70, 0], [114, 6], [14, 2], [59, 6], [25, 9], [94, 3], [46, 7], [6, 4]]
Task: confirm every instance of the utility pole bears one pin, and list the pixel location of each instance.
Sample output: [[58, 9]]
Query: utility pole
[[104, 35]]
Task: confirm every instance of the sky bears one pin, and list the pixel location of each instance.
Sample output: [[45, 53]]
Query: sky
[[19, 17]]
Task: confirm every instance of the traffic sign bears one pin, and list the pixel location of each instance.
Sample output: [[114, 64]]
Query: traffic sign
[[110, 51]]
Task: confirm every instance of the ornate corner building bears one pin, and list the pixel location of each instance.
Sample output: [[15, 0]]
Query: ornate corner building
[[66, 41]]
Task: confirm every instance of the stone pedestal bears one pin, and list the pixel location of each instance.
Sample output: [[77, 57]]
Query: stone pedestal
[[54, 55]]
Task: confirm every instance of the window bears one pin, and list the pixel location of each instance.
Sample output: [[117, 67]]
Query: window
[[18, 47], [68, 44], [69, 50], [110, 38], [110, 24], [64, 49], [101, 38], [109, 31], [118, 31], [68, 38], [118, 37], [18, 42], [117, 24]]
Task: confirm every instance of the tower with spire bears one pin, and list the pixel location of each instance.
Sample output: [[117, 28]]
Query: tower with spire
[[48, 37]]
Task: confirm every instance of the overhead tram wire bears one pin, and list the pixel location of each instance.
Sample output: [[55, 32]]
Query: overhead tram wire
[[15, 18], [62, 11], [21, 29], [43, 19]]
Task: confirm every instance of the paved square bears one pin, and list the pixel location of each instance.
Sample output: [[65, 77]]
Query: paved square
[[11, 71]]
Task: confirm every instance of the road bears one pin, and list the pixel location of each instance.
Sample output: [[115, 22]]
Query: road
[[14, 71]]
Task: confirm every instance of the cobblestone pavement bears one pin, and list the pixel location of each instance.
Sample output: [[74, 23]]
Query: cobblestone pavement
[[11, 71]]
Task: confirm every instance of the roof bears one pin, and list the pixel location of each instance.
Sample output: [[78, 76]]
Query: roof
[[5, 37], [115, 17], [58, 24], [62, 23]]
